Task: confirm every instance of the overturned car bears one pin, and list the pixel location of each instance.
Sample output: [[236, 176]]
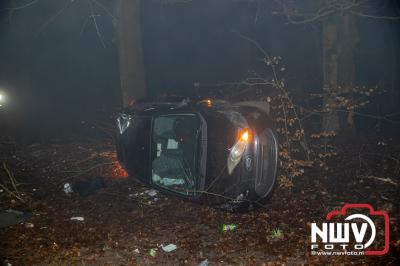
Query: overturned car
[[214, 152]]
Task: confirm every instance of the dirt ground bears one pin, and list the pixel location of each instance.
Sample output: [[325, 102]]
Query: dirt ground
[[122, 223]]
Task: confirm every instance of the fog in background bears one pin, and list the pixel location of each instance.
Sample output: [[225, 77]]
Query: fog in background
[[58, 69]]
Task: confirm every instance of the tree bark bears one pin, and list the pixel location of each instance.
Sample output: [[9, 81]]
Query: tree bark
[[339, 39], [330, 71], [130, 51]]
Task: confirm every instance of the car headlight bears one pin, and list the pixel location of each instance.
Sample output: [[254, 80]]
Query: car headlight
[[237, 151], [123, 122]]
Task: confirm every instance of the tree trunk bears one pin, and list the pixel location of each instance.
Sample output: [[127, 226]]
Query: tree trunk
[[339, 38], [130, 51], [348, 41], [330, 71]]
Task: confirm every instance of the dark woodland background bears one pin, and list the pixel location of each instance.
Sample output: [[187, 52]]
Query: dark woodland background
[[59, 67]]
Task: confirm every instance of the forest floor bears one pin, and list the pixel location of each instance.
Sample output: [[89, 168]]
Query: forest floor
[[122, 223]]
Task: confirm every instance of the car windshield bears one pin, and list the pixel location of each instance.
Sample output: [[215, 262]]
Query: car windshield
[[175, 145]]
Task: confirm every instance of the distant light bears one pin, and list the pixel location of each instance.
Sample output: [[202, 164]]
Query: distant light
[[2, 99]]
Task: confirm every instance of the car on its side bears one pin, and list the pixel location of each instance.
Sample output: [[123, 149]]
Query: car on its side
[[210, 151]]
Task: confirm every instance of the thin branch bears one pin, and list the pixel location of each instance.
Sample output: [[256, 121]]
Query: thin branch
[[12, 194], [382, 179], [330, 9], [255, 43], [104, 8], [374, 16], [308, 20], [20, 7], [256, 16], [323, 12], [54, 17], [84, 25], [93, 16], [11, 177]]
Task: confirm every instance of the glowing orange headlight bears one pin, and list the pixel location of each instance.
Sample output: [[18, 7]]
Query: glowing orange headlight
[[245, 135]]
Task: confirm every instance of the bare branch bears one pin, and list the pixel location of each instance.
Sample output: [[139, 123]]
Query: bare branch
[[351, 6], [84, 24], [373, 16], [382, 179], [104, 8], [93, 16], [54, 17], [255, 43], [20, 7]]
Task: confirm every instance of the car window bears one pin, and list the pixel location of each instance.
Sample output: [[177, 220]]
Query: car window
[[175, 145]]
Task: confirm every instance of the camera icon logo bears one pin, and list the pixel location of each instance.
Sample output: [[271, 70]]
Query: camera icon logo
[[354, 234]]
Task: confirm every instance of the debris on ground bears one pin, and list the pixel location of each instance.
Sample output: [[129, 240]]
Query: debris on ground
[[151, 192], [122, 229], [228, 227], [68, 189], [29, 225], [77, 218], [168, 248], [204, 263], [153, 252], [12, 217], [277, 233], [151, 196]]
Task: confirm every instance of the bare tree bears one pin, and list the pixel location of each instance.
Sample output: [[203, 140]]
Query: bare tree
[[339, 38]]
